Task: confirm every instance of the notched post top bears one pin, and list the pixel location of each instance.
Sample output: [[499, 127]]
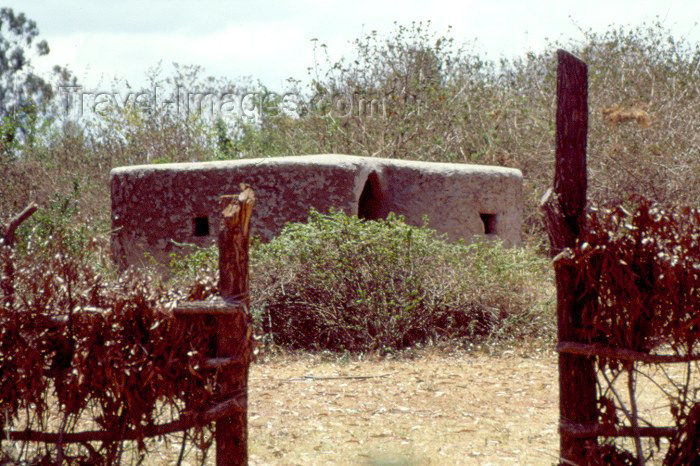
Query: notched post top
[[237, 210], [233, 243]]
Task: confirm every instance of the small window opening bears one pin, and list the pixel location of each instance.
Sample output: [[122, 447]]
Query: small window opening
[[489, 221], [201, 226], [370, 206]]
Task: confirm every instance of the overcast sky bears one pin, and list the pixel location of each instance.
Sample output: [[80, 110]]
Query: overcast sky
[[270, 40]]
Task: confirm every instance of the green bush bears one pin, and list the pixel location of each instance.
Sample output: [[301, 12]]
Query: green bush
[[60, 229], [341, 283]]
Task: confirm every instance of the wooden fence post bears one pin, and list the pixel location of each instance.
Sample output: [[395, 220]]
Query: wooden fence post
[[234, 331], [564, 213]]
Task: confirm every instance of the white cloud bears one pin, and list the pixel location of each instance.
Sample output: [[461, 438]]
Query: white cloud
[[236, 50], [270, 39]]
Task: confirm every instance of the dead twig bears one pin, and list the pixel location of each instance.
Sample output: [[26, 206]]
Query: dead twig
[[338, 377], [7, 281], [8, 238]]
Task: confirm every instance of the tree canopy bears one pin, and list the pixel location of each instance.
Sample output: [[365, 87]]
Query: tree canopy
[[22, 92]]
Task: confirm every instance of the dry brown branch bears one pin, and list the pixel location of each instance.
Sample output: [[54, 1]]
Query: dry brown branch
[[217, 411], [7, 280], [12, 225], [634, 419], [338, 377], [113, 329]]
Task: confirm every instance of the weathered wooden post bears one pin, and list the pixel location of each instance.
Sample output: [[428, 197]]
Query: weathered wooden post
[[564, 213], [234, 329]]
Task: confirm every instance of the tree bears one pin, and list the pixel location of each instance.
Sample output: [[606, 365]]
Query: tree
[[23, 94]]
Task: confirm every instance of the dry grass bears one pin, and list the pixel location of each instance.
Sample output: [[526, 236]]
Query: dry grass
[[438, 409], [431, 408]]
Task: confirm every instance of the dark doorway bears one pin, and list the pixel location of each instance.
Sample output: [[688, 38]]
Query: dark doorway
[[371, 205], [489, 221]]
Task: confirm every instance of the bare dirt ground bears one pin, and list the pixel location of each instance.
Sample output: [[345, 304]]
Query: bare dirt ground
[[435, 409]]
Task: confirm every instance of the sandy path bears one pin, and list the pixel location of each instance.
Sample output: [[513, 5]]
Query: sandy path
[[437, 409]]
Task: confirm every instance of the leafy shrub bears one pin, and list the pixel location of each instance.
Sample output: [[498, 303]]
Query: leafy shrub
[[59, 221], [201, 262], [341, 283]]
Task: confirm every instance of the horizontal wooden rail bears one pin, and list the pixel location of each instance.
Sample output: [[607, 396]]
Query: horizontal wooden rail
[[61, 320], [225, 408], [218, 306], [623, 354], [599, 430], [218, 363]]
